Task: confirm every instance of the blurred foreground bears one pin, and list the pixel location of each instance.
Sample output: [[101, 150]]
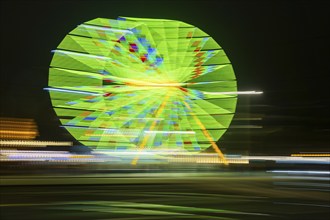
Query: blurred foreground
[[276, 194], [55, 180]]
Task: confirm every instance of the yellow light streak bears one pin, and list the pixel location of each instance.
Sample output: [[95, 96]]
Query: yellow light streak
[[310, 155], [146, 138], [208, 136]]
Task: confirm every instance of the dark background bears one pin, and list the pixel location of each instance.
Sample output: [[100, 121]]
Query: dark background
[[278, 47]]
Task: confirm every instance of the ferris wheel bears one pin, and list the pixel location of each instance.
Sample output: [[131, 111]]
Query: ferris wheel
[[136, 84]]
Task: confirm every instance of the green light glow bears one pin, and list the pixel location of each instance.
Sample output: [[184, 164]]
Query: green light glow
[[148, 84]]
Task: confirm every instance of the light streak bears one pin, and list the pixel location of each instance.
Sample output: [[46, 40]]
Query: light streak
[[287, 159], [208, 136], [81, 54], [146, 138], [235, 93], [105, 29], [72, 91], [33, 143], [300, 172], [310, 155]]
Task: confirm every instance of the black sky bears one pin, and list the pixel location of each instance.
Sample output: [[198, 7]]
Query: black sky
[[279, 47]]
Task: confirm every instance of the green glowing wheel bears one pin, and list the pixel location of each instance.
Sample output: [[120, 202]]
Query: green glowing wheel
[[142, 84]]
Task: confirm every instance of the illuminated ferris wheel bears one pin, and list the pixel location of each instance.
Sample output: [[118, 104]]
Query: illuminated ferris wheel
[[142, 84]]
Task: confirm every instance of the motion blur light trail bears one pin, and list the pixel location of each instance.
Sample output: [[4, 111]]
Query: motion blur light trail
[[31, 143], [311, 155], [108, 159], [147, 209], [162, 195], [18, 128]]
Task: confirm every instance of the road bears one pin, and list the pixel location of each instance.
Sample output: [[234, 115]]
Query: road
[[166, 195]]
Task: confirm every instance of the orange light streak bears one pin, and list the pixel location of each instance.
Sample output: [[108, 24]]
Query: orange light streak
[[208, 136], [310, 155]]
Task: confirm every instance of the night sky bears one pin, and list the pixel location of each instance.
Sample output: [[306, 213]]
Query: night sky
[[280, 48]]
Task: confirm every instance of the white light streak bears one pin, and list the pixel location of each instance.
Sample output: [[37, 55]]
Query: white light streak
[[300, 172], [72, 91], [105, 29], [81, 54], [235, 93]]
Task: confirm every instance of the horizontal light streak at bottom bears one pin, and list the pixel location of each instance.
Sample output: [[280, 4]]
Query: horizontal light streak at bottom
[[178, 157], [167, 156], [288, 159], [101, 157], [46, 156], [300, 172], [303, 178], [27, 143], [210, 160]]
